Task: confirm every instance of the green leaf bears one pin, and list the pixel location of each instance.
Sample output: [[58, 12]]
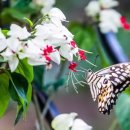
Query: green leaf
[[26, 70], [29, 93], [4, 93], [9, 13], [21, 4], [122, 111], [26, 7], [18, 87], [19, 114]]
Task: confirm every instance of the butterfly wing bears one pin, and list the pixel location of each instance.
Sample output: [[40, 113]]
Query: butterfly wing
[[119, 76]]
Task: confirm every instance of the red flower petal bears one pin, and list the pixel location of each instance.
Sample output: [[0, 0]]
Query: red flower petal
[[82, 55], [126, 26], [48, 58], [72, 66], [124, 23], [48, 49], [123, 19], [73, 44]]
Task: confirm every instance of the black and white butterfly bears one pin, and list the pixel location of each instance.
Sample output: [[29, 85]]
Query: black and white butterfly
[[106, 84]]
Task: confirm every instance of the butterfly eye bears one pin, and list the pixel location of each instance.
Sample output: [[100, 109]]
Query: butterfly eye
[[105, 81], [89, 70]]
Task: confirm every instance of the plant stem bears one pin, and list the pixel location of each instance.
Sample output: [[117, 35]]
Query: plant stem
[[113, 125], [47, 106], [38, 112]]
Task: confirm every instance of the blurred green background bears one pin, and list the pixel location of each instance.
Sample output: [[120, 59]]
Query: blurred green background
[[70, 101]]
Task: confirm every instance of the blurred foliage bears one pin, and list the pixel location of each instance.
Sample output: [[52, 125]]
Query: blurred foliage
[[19, 83], [122, 111], [4, 93], [18, 10]]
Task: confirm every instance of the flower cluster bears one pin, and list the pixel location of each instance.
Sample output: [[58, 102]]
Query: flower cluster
[[69, 122], [49, 41], [108, 18]]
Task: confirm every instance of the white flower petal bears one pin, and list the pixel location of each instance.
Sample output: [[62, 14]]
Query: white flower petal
[[65, 51], [32, 50], [18, 32], [106, 27], [6, 53], [55, 56], [109, 20], [108, 3], [22, 55], [63, 121], [13, 63], [3, 44], [57, 16], [80, 125], [36, 61], [53, 34], [14, 44], [93, 8]]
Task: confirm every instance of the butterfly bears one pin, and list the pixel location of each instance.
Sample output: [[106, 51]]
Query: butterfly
[[107, 83]]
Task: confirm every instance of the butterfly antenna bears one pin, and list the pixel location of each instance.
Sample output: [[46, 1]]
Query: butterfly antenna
[[95, 61]]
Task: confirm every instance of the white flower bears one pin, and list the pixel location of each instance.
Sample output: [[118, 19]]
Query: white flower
[[69, 122], [33, 53], [93, 8], [108, 3], [39, 54], [52, 34], [80, 125], [67, 51], [47, 5], [11, 53], [109, 20], [56, 16], [3, 44], [44, 3], [18, 32]]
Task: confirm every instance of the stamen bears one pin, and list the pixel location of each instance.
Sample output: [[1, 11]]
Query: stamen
[[86, 51], [77, 79], [75, 88], [81, 71], [67, 82], [91, 63]]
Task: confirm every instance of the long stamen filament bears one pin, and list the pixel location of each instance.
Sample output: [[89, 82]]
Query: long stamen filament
[[73, 83], [77, 79], [90, 63]]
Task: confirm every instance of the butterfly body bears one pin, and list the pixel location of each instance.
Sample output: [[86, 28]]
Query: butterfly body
[[106, 84]]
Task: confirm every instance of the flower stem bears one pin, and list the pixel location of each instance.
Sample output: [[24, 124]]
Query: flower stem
[[47, 106], [113, 125], [38, 112]]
